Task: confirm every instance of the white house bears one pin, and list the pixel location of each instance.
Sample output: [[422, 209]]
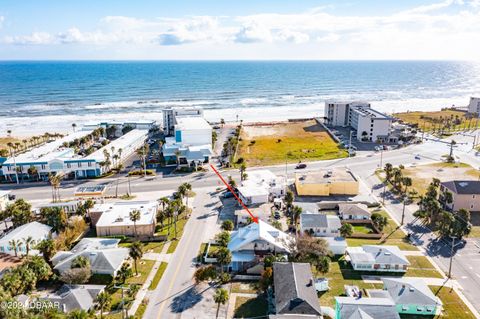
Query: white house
[[36, 230], [259, 186], [191, 144], [104, 254], [115, 218], [320, 225], [353, 212], [377, 258], [369, 124], [474, 105], [250, 243]]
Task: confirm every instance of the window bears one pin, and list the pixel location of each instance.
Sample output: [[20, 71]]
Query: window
[[420, 308], [69, 165], [471, 206], [79, 164], [404, 308], [44, 166], [89, 164]]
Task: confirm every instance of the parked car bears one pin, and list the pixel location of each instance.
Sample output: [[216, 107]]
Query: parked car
[[417, 157], [301, 166], [276, 215]]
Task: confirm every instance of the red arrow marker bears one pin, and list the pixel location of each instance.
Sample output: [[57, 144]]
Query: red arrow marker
[[254, 219]]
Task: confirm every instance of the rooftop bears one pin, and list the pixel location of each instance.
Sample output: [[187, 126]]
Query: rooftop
[[34, 229], [311, 220], [116, 214], [463, 187], [410, 291], [325, 176], [122, 142], [366, 308], [191, 123], [382, 254], [353, 209], [369, 112], [73, 297]]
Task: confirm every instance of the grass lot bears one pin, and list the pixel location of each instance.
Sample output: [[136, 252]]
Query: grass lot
[[425, 120], [170, 228], [422, 174], [475, 232], [155, 247], [341, 274], [420, 266], [5, 140], [158, 276], [244, 287], [269, 144], [250, 307], [392, 236], [362, 229], [453, 306], [141, 309]]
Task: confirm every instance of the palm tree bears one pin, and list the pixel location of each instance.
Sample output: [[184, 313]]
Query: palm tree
[[224, 257], [296, 212], [47, 248], [74, 126], [103, 301], [16, 244], [28, 243], [135, 216], [136, 252], [9, 133], [188, 188], [388, 171], [55, 181], [78, 314], [80, 262], [346, 230], [124, 272], [220, 297]]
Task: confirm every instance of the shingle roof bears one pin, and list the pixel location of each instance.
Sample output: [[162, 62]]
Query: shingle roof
[[463, 187], [381, 254], [354, 209], [366, 308], [73, 297], [294, 289], [410, 291], [311, 220]]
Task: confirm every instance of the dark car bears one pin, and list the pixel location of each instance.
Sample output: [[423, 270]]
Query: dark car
[[227, 194], [301, 166]]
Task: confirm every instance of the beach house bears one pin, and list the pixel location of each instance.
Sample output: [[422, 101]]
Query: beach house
[[377, 258], [103, 253], [353, 211], [365, 308], [260, 186], [114, 218], [320, 225], [465, 194], [251, 243], [326, 182], [170, 114], [369, 124], [72, 297], [35, 230]]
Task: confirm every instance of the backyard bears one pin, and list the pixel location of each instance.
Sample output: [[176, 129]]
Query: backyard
[[290, 141], [247, 307]]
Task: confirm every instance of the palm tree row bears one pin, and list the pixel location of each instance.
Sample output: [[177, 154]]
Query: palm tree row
[[26, 144], [394, 176], [172, 209]]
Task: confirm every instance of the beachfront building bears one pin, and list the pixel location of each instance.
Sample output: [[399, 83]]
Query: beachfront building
[[251, 243], [377, 258], [57, 157], [260, 186], [120, 128], [170, 115], [191, 144], [35, 230], [104, 254], [294, 291], [115, 219], [69, 207], [474, 105], [465, 194], [326, 182], [369, 124]]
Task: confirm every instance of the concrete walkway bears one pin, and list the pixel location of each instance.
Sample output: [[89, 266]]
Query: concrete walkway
[[158, 256], [144, 290]]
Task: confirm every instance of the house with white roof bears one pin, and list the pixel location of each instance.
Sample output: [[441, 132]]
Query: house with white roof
[[72, 297], [259, 186], [249, 244], [36, 230], [377, 258], [104, 254], [320, 225], [356, 211], [115, 218]]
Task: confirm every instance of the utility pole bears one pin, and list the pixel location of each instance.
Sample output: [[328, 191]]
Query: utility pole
[[403, 210], [451, 258], [381, 157], [144, 161], [350, 144], [384, 189], [129, 187]]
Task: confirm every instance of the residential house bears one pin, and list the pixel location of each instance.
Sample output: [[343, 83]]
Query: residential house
[[35, 230], [104, 254], [320, 225], [69, 207], [326, 182], [260, 186], [72, 297], [377, 258], [353, 212], [251, 243], [465, 194], [115, 218], [365, 308], [294, 290], [412, 296], [369, 124]]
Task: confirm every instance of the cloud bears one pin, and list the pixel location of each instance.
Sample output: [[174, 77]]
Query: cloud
[[33, 38], [194, 29], [253, 33], [433, 6], [2, 18]]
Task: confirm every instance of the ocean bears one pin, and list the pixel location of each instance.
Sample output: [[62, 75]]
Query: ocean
[[36, 96]]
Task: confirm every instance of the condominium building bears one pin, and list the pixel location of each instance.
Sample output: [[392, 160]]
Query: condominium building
[[369, 124], [170, 114], [474, 105]]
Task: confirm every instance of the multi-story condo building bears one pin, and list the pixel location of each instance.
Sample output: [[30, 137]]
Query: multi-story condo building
[[369, 124], [464, 195], [169, 116], [474, 105]]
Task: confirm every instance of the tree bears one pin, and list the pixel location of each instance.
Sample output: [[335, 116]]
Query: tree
[[135, 216], [296, 212], [461, 225], [28, 244], [346, 230], [78, 314], [205, 273], [289, 198], [20, 211], [124, 273], [47, 248], [388, 171], [277, 224], [379, 221], [16, 245], [308, 249], [75, 276], [224, 257], [74, 125], [323, 264], [407, 182], [223, 238], [55, 181], [186, 190], [18, 280], [220, 297], [267, 279], [222, 122], [136, 252], [80, 262], [103, 301], [227, 225], [54, 217], [232, 183], [444, 223], [39, 266], [243, 168]]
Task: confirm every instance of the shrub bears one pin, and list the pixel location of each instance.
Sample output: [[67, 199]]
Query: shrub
[[76, 275], [141, 172], [227, 225]]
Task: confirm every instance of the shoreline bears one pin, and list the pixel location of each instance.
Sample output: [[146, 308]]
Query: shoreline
[[28, 126]]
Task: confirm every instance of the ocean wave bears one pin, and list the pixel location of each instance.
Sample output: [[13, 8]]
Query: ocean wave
[[248, 101]]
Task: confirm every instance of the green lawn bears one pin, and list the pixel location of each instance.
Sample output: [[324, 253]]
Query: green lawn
[[420, 266], [250, 307], [155, 247], [158, 276], [453, 306], [141, 309], [362, 229], [426, 120], [292, 141]]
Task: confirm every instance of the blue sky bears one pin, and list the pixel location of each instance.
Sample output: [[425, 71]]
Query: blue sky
[[247, 29]]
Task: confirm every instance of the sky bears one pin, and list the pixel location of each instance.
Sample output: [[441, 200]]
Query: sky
[[239, 30]]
